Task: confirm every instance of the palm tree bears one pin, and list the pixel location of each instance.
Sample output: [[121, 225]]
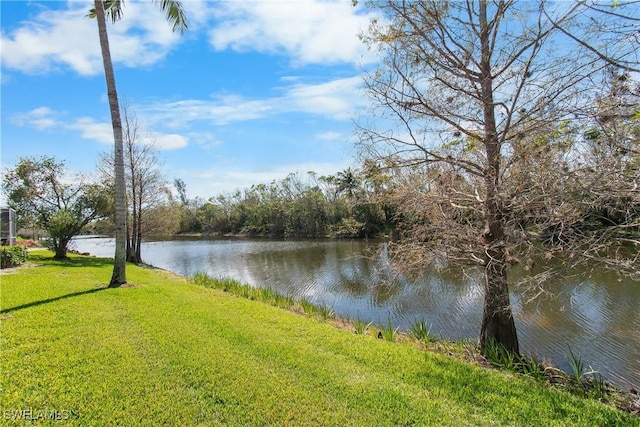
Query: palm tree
[[348, 183], [174, 12]]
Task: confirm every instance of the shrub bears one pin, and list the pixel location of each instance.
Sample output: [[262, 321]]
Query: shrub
[[12, 256], [349, 227]]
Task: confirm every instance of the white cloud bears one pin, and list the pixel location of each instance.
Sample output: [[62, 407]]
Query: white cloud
[[330, 136], [338, 99], [67, 38], [206, 140], [90, 129], [311, 31], [210, 183], [43, 118], [166, 141]]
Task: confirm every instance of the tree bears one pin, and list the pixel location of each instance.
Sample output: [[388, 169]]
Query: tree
[[42, 194], [348, 183], [174, 13], [146, 188], [189, 221], [478, 95]]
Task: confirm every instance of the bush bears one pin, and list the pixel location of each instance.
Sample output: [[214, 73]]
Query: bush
[[349, 228], [12, 256]]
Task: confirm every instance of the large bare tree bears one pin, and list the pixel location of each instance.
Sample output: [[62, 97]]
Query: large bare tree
[[146, 189], [175, 14], [478, 106]]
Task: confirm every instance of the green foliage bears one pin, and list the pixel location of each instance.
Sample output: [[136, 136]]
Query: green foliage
[[344, 205], [326, 312], [587, 383], [349, 227], [388, 333], [62, 226], [421, 332], [360, 326], [500, 357], [578, 381], [35, 189], [307, 306], [232, 361], [13, 256], [577, 367]]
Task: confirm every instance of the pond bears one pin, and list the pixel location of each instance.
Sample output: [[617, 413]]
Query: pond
[[597, 318]]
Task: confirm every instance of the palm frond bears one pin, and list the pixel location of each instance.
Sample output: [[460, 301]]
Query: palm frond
[[173, 10], [112, 9], [175, 14]]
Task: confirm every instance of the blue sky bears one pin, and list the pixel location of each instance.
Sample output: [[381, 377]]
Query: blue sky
[[254, 90]]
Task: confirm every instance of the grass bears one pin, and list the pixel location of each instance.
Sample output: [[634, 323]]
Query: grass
[[326, 312], [165, 352], [577, 381], [360, 327], [421, 332], [387, 332], [307, 306], [586, 382]]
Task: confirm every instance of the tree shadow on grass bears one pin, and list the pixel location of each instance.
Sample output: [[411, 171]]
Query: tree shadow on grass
[[47, 301], [81, 261]]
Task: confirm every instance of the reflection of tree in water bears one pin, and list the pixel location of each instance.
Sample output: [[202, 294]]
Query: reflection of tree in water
[[286, 269], [438, 290], [593, 313]]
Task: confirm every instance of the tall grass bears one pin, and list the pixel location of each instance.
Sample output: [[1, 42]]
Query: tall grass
[[421, 332], [500, 357], [326, 312], [307, 306], [579, 380], [586, 382], [577, 367], [267, 295], [387, 331], [360, 326]]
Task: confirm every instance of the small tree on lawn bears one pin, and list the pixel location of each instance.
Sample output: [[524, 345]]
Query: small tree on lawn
[[41, 193]]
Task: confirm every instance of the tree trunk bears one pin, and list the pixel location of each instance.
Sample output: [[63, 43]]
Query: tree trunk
[[129, 245], [119, 276], [138, 250], [131, 249], [497, 319], [60, 249]]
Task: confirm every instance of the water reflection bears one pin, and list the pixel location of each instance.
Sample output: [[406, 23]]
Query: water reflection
[[597, 318]]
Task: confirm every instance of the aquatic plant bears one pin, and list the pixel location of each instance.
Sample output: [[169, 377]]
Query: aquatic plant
[[421, 332], [360, 326], [387, 332]]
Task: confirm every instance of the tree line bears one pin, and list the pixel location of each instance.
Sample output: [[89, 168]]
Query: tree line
[[341, 205]]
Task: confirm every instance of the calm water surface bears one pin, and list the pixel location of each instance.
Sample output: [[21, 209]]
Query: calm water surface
[[598, 318]]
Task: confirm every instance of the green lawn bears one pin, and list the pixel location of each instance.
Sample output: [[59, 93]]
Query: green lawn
[[167, 352]]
